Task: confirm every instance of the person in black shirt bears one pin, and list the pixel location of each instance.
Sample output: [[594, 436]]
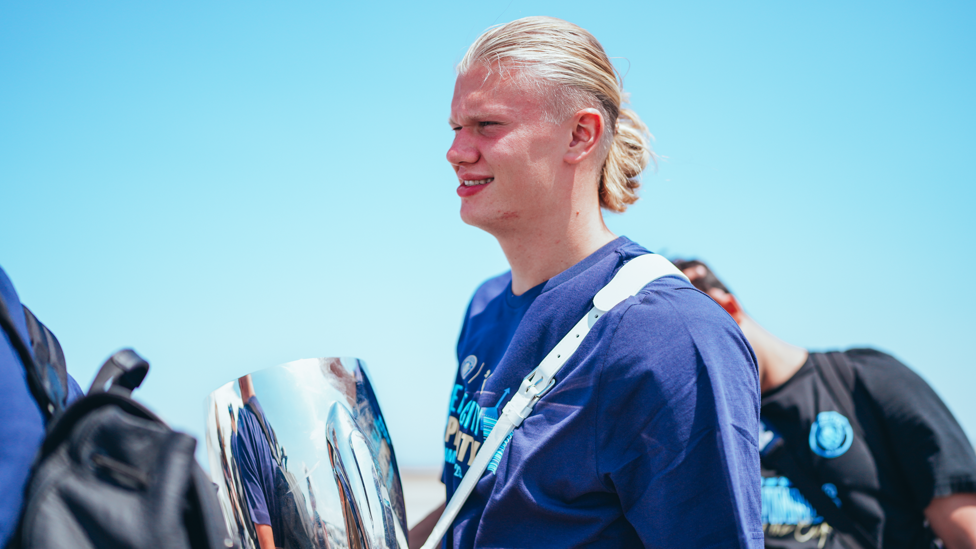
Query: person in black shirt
[[864, 429]]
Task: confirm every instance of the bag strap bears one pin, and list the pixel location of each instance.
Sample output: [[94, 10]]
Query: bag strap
[[629, 280], [49, 359], [49, 407], [121, 373]]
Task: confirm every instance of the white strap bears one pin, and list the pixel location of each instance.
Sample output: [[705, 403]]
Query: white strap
[[630, 279]]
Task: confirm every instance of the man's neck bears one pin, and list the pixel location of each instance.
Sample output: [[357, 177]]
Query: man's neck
[[550, 248], [778, 360]]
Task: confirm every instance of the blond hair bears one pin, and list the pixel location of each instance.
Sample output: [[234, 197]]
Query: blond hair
[[569, 65]]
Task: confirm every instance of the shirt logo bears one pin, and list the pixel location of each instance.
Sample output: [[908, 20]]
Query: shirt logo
[[782, 503], [467, 365], [831, 435]]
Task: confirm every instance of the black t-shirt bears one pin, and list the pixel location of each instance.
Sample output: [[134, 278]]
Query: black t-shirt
[[912, 451]]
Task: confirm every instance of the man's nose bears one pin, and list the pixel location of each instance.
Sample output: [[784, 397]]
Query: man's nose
[[462, 150]]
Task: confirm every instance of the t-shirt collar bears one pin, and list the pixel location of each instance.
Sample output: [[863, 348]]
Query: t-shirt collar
[[589, 261], [517, 301]]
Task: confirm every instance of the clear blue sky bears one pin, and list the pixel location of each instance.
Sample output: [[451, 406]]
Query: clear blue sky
[[230, 186]]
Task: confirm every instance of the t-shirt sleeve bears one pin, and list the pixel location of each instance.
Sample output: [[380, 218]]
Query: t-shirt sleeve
[[931, 449], [677, 434]]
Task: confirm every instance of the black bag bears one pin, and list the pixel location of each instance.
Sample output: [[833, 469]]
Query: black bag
[[296, 524], [109, 473]]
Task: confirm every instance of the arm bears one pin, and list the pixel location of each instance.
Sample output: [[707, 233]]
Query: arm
[[247, 388], [953, 519], [421, 531], [242, 448], [933, 452], [265, 536], [679, 398]]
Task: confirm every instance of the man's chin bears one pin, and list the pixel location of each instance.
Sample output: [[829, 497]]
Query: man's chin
[[470, 218], [498, 223]]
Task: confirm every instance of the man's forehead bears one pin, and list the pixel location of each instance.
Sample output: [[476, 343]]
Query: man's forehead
[[476, 88], [476, 111], [481, 94]]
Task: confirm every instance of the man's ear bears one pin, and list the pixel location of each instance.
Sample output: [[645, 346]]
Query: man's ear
[[729, 303], [587, 127]]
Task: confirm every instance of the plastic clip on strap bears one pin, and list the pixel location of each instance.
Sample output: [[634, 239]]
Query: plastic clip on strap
[[630, 279]]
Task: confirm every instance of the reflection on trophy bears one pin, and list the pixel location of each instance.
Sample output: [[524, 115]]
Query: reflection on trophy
[[302, 459]]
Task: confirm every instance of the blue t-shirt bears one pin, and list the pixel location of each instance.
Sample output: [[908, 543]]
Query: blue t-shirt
[[257, 466], [22, 428], [649, 436]]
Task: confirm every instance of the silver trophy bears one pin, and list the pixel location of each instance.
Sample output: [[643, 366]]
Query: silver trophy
[[302, 459]]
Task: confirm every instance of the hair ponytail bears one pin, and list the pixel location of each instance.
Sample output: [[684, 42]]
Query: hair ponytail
[[630, 152]]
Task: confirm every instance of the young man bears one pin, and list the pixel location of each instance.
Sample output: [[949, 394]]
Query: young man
[[256, 462], [900, 461], [649, 435]]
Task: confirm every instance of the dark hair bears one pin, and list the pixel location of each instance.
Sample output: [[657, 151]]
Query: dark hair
[[703, 283]]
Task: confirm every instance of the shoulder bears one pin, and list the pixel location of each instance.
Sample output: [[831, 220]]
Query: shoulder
[[932, 443], [873, 362], [907, 403], [672, 310], [680, 334], [672, 298], [887, 378]]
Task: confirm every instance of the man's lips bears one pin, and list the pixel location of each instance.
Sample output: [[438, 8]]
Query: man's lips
[[469, 187]]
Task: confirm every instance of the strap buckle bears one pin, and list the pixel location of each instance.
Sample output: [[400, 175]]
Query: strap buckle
[[531, 382]]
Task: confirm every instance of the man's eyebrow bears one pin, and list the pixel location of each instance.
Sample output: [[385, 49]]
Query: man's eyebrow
[[475, 117]]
